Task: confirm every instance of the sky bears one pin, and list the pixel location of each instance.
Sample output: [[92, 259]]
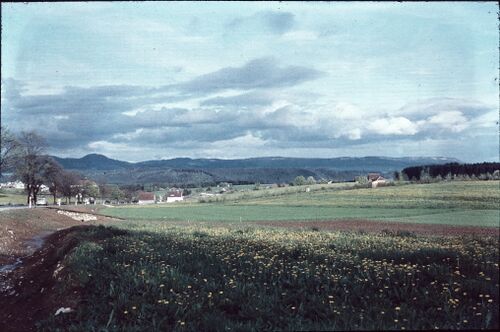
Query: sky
[[157, 80]]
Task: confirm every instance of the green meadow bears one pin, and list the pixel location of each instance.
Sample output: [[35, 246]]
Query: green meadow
[[466, 203], [153, 276], [211, 272]]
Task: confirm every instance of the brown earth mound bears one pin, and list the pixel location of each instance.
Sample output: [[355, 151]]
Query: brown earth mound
[[28, 275], [22, 230], [27, 293], [372, 226]]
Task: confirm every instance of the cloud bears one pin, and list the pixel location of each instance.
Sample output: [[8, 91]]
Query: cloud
[[242, 100], [270, 21], [430, 107], [453, 120], [99, 119], [279, 22], [354, 134], [394, 126], [301, 36], [256, 74]]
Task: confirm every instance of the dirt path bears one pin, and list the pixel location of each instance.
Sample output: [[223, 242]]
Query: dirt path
[[22, 230], [32, 241], [27, 294], [372, 226]]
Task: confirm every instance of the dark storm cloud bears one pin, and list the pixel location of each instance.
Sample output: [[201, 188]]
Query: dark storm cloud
[[108, 99], [75, 116], [256, 74]]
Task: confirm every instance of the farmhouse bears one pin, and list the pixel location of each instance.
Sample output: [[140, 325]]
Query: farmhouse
[[174, 195], [14, 185], [146, 198], [376, 180], [44, 189]]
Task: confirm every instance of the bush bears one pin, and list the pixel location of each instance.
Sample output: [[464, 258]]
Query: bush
[[299, 181]]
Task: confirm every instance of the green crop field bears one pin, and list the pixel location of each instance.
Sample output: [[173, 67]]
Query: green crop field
[[473, 203]]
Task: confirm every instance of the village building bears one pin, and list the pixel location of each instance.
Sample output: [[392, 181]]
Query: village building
[[376, 180], [13, 185], [44, 189], [174, 195], [146, 198]]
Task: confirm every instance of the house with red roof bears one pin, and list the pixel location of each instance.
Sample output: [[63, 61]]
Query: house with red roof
[[146, 198]]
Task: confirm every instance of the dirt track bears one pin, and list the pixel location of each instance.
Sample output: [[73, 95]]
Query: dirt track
[[27, 294], [19, 227], [371, 226], [37, 239]]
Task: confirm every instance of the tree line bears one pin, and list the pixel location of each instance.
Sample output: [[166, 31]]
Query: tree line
[[25, 156], [482, 171]]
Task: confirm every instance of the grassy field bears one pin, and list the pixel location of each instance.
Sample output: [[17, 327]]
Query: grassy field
[[247, 192], [473, 203], [8, 198], [442, 195], [210, 272], [15, 197], [249, 279]]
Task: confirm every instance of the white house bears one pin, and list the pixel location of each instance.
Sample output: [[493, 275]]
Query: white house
[[44, 189], [376, 180], [14, 185], [174, 195]]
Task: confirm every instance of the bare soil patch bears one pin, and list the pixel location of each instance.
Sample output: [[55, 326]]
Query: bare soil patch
[[21, 230], [27, 293], [372, 226]]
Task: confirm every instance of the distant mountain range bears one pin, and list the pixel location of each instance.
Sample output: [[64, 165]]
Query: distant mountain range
[[101, 162], [187, 171]]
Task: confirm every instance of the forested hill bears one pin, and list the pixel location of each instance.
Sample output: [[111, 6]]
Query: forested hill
[[192, 172], [482, 170], [100, 162], [92, 161]]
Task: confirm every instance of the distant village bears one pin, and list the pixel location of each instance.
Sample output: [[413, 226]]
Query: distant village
[[89, 192]]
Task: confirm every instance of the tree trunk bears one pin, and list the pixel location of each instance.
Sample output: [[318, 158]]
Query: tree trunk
[[28, 188], [36, 190]]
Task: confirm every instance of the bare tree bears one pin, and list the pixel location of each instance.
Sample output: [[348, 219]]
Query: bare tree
[[90, 189], [8, 148], [103, 188], [31, 164], [53, 177], [69, 185]]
